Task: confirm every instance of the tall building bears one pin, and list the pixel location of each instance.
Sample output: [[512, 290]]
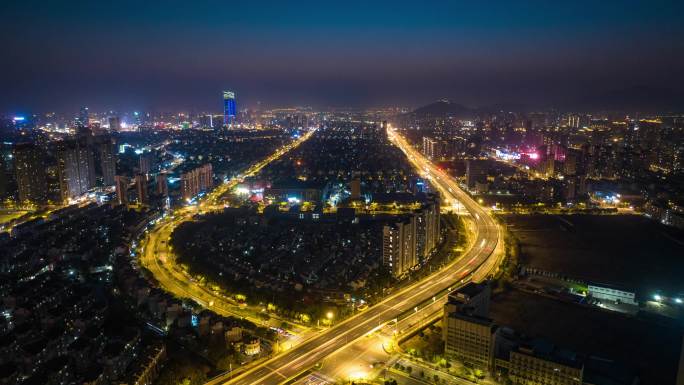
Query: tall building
[[468, 334], [355, 188], [229, 108], [29, 168], [399, 246], [573, 120], [121, 182], [432, 148], [114, 123], [427, 229], [145, 164], [476, 172], [141, 189], [162, 185], [107, 152], [195, 181], [83, 117], [76, 169]]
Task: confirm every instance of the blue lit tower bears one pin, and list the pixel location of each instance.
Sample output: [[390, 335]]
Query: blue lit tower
[[229, 108]]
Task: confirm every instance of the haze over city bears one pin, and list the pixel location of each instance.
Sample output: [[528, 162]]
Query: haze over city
[[167, 56], [350, 193]]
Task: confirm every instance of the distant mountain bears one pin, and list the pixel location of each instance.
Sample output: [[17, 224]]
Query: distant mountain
[[445, 108], [448, 108]]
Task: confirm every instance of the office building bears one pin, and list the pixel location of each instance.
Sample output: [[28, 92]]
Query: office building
[[29, 169], [474, 296], [399, 246], [612, 293], [468, 333], [121, 182], [539, 362], [229, 108], [355, 188]]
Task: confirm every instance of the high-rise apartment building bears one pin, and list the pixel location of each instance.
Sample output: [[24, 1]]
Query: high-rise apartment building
[[122, 183], [76, 169], [432, 148], [29, 169], [195, 181], [476, 172], [162, 185], [107, 153], [399, 246], [427, 229], [141, 189]]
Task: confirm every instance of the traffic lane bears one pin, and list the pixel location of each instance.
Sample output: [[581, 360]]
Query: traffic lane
[[351, 332]]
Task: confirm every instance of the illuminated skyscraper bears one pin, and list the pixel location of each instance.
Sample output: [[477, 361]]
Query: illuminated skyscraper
[[229, 108]]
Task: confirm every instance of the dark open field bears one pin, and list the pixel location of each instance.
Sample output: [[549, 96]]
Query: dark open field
[[652, 348], [626, 250]]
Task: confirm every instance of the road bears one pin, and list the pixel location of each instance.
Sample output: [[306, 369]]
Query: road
[[157, 256], [289, 364]]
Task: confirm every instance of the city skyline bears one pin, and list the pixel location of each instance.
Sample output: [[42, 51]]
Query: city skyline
[[173, 56], [369, 193]]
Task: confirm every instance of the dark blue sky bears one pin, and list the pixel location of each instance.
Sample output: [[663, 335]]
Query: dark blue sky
[[168, 55]]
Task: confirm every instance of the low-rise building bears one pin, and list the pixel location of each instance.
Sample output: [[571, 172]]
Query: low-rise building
[[612, 293], [253, 347], [540, 363], [468, 334]]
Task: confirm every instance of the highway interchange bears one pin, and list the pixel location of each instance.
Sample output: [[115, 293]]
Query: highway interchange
[[479, 260], [157, 256]]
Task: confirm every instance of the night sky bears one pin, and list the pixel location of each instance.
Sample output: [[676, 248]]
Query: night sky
[[175, 55]]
